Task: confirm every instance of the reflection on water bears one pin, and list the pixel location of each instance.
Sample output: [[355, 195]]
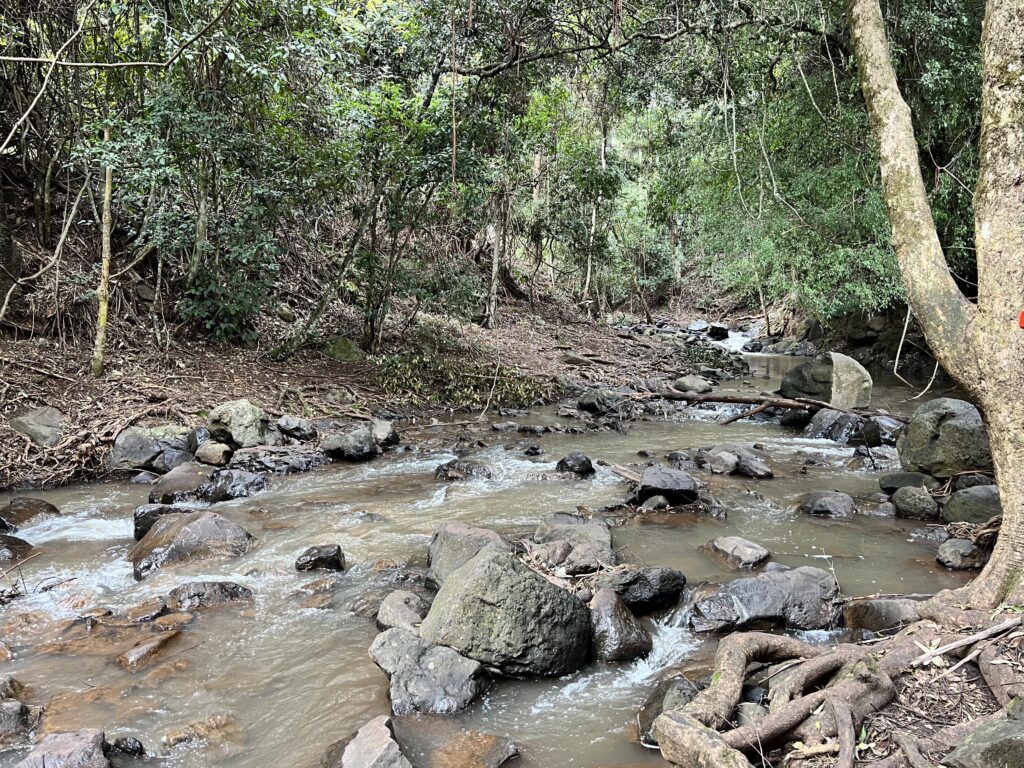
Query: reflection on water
[[295, 679]]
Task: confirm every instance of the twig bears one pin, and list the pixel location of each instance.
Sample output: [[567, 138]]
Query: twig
[[965, 641]]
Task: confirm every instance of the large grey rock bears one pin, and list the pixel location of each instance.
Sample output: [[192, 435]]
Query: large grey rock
[[145, 515], [800, 598], [576, 462], [384, 433], [321, 557], [723, 462], [215, 453], [737, 551], [881, 430], [372, 746], [183, 483], [200, 535], [229, 484], [876, 614], [280, 460], [833, 378], [754, 468], [827, 504], [915, 503], [999, 744], [943, 437], [961, 555], [977, 504], [425, 678], [355, 445], [616, 635], [574, 544], [297, 428], [243, 423], [496, 610], [402, 608], [837, 426], [675, 485], [891, 482], [599, 401], [696, 384], [455, 544], [75, 749], [643, 588], [42, 426], [134, 448]]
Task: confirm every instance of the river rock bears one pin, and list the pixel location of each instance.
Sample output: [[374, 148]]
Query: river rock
[[827, 504], [881, 430], [214, 453], [718, 332], [675, 485], [977, 504], [834, 378], [672, 693], [944, 437], [599, 401], [183, 483], [202, 594], [837, 426], [297, 428], [438, 746], [242, 423], [458, 470], [42, 426], [279, 459], [372, 746], [147, 650], [695, 384], [402, 608], [891, 482], [877, 614], [915, 503], [643, 588], [16, 721], [357, 444], [722, 462], [134, 448], [323, 557], [425, 678], [455, 544], [574, 544], [754, 468], [229, 484], [146, 514], [576, 462], [737, 551], [195, 438], [800, 598], [961, 555], [998, 744], [970, 481], [615, 633], [75, 749], [384, 433], [201, 535], [12, 548], [23, 509], [170, 458], [496, 610]]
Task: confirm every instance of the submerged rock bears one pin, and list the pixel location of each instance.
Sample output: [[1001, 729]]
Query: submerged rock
[[201, 535], [147, 650], [616, 635], [977, 504], [75, 749], [455, 544], [643, 588], [457, 470], [23, 509], [12, 548], [496, 610], [801, 598], [737, 551], [945, 436], [827, 504], [426, 678], [323, 557]]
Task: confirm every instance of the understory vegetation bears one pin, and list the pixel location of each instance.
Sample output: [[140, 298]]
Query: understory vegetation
[[253, 170]]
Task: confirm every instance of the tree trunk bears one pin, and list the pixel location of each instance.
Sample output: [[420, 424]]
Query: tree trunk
[[982, 347], [497, 254], [103, 290], [10, 258]]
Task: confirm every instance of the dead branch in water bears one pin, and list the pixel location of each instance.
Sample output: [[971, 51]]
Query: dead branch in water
[[763, 402]]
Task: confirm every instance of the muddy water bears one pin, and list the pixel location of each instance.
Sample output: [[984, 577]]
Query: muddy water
[[294, 679]]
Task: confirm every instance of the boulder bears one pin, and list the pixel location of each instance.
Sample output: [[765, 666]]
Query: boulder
[[280, 460], [297, 428], [696, 384], [384, 433], [75, 749], [971, 480], [616, 635], [573, 544], [891, 482], [134, 448], [998, 744], [800, 598], [674, 484], [195, 438], [977, 504], [242, 423], [200, 535], [229, 484], [599, 401], [183, 483], [723, 462], [323, 557], [961, 555], [827, 504], [457, 470], [698, 326], [23, 509], [403, 609], [915, 503], [881, 430], [146, 514], [202, 594], [496, 610], [170, 458], [837, 426], [944, 437], [354, 445], [372, 746], [576, 462], [751, 467], [643, 588], [214, 453], [738, 552], [877, 614], [455, 544], [834, 378], [40, 425], [425, 678], [718, 332], [12, 548]]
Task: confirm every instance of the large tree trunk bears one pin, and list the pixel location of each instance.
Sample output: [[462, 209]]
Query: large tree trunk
[[10, 258], [982, 347]]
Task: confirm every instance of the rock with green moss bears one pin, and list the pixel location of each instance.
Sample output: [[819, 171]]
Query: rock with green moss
[[342, 349]]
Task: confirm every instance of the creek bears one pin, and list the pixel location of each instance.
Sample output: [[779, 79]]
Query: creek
[[294, 679]]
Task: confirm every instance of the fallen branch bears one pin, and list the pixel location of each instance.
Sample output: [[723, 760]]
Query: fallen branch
[[762, 402], [965, 641]]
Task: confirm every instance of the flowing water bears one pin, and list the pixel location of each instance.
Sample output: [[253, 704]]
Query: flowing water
[[294, 679]]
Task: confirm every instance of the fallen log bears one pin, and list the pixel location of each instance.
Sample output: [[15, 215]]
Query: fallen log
[[762, 402]]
